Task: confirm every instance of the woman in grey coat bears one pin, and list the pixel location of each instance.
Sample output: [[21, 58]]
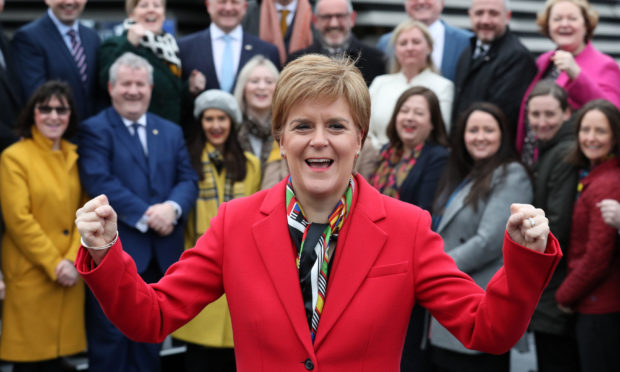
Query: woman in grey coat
[[482, 179]]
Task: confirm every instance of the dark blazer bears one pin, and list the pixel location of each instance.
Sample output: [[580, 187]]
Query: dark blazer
[[421, 184], [110, 163], [196, 53], [555, 189], [371, 61], [40, 54], [386, 260], [10, 96], [500, 77], [455, 41]]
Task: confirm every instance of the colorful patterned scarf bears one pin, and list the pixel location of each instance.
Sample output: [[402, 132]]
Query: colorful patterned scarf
[[315, 244], [393, 169]]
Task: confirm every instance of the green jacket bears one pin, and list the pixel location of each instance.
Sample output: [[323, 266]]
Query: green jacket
[[169, 91]]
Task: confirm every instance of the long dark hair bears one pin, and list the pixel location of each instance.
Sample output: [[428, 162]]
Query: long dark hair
[[461, 165], [48, 90], [611, 112], [234, 158], [437, 136]]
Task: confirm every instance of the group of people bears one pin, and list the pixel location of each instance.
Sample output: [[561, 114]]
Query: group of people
[[166, 135]]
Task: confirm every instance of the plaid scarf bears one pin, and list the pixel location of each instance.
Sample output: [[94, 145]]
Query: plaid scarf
[[209, 197], [260, 130], [315, 244], [393, 169]]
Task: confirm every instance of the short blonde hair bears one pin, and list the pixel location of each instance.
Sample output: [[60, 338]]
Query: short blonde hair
[[317, 77], [590, 17], [406, 26], [130, 5], [244, 76]]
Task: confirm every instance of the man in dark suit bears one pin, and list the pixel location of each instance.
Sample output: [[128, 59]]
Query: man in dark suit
[[334, 19], [10, 92], [140, 162], [495, 67], [221, 50], [449, 41], [56, 46]]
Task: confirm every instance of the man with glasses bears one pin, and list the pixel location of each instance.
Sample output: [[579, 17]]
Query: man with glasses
[[333, 20], [221, 50]]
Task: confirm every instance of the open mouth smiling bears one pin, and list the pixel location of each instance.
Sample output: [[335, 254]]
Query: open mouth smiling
[[319, 163]]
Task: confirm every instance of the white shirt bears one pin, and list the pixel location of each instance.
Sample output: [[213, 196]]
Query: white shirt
[[63, 29], [438, 33], [141, 130], [385, 90], [218, 44], [292, 7]]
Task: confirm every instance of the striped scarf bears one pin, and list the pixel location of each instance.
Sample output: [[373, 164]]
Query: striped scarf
[[315, 244]]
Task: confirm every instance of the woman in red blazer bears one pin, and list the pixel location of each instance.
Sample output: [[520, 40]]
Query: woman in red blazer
[[591, 287], [294, 305]]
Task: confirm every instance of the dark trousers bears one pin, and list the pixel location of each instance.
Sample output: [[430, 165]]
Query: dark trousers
[[52, 365], [598, 339], [450, 361], [110, 350], [556, 353], [209, 359], [416, 352]]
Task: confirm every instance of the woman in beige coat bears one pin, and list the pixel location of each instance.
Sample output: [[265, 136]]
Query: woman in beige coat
[[40, 191]]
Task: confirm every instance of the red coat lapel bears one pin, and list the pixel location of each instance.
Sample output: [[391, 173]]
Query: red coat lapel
[[275, 247], [360, 243]]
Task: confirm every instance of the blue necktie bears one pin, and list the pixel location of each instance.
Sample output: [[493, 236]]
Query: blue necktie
[[227, 70], [136, 138]]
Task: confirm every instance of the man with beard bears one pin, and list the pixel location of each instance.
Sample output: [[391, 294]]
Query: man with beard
[[56, 46], [448, 41], [334, 19], [496, 67]]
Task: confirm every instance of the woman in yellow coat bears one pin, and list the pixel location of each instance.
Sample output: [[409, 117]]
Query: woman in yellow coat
[[226, 172], [40, 191]]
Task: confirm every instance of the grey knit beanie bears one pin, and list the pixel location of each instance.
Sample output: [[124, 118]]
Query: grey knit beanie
[[218, 99]]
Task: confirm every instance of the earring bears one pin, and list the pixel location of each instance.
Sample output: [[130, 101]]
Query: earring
[[282, 155], [357, 155]]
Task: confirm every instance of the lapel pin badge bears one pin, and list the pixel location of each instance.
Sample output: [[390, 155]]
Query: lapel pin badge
[[155, 132], [248, 47]]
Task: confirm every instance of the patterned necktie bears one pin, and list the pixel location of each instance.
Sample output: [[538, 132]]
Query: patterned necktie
[[481, 50], [227, 69], [77, 50], [283, 24]]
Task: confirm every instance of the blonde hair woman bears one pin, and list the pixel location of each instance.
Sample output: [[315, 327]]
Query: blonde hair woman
[[412, 65]]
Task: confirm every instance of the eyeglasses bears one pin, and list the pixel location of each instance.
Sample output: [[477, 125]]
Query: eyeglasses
[[328, 17], [60, 110]]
